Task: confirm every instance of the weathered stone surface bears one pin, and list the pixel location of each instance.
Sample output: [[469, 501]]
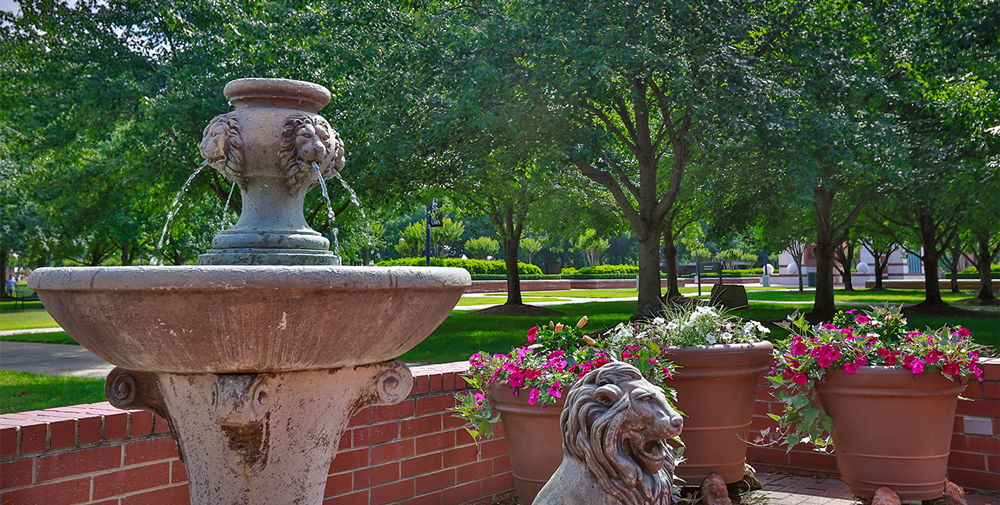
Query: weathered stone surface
[[615, 426], [954, 492], [750, 476], [885, 496], [239, 319], [714, 491], [253, 439]]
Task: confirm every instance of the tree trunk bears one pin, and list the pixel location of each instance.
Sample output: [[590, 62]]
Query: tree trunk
[[932, 286], [799, 264], [510, 247], [670, 256], [846, 257], [649, 276], [879, 269], [5, 275], [985, 276], [824, 306]]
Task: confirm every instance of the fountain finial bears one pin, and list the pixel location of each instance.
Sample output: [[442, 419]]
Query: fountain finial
[[276, 148]]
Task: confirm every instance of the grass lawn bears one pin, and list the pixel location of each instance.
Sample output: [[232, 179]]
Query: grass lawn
[[7, 307], [21, 391], [26, 320], [59, 337], [464, 333]]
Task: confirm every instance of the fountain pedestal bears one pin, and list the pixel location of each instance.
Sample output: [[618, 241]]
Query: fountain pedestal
[[263, 438], [258, 357]]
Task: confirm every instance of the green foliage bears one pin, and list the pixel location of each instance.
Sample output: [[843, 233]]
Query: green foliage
[[414, 239], [482, 247], [530, 245], [473, 266], [591, 245], [608, 270]]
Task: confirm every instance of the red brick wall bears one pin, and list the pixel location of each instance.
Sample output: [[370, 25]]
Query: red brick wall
[[974, 462], [411, 453]]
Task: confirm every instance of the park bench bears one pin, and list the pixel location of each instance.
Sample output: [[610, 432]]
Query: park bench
[[23, 294]]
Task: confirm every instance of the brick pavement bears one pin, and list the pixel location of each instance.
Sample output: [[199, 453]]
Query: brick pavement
[[782, 489]]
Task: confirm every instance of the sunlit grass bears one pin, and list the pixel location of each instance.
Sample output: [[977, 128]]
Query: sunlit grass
[[20, 391], [26, 320]]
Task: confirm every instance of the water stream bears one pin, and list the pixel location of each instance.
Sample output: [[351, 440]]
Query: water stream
[[175, 206], [326, 195], [225, 208], [350, 190]]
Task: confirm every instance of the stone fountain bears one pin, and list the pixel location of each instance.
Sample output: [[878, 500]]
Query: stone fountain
[[258, 356]]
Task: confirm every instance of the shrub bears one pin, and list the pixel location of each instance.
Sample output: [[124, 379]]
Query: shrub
[[475, 267], [609, 269]]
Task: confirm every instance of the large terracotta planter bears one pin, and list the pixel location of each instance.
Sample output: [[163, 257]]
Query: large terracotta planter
[[716, 389], [891, 428], [534, 439]]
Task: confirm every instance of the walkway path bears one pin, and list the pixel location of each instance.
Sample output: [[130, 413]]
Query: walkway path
[[52, 359]]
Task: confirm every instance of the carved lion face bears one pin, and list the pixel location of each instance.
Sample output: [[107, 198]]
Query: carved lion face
[[618, 423], [214, 146], [651, 422], [308, 140], [311, 144]]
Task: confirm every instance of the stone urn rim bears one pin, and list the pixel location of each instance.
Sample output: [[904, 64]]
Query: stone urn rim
[[264, 92], [236, 277], [721, 348]]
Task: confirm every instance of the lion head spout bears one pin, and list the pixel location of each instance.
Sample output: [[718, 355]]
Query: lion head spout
[[222, 146], [615, 427], [305, 140]]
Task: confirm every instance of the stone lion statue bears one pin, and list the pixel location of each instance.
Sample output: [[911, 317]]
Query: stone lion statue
[[222, 146], [615, 425], [305, 140]]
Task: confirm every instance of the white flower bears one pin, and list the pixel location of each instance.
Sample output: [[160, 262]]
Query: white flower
[[726, 337], [672, 325], [622, 333], [875, 324], [761, 328], [658, 321], [747, 328], [701, 309], [710, 338]]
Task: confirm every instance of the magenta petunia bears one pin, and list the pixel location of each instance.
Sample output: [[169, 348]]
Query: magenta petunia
[[516, 380], [800, 378], [554, 390], [532, 334], [861, 319], [851, 368], [533, 396], [934, 356], [479, 399], [798, 349], [916, 365]]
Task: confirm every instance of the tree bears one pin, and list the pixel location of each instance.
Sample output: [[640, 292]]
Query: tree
[[413, 242], [630, 92], [873, 236], [531, 246], [482, 247], [592, 246]]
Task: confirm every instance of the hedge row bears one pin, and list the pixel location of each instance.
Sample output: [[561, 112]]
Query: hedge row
[[744, 272], [475, 267]]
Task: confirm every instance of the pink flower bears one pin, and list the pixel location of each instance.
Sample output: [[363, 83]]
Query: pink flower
[[974, 368], [474, 359], [554, 390], [824, 361], [800, 378], [862, 360], [626, 354], [479, 399], [962, 332], [558, 353], [799, 349], [951, 369], [851, 368], [934, 356], [861, 319], [509, 367], [516, 380], [533, 396], [666, 371], [532, 334], [917, 365], [522, 352]]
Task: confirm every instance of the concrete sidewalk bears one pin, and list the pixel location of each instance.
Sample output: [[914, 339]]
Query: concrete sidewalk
[[52, 359]]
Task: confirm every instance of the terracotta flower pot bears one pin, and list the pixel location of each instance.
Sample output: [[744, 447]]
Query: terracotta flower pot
[[534, 439], [716, 389], [891, 428]]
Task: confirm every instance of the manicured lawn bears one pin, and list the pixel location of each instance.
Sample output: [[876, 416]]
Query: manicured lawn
[[464, 333], [21, 391], [26, 320], [59, 337], [908, 296], [7, 307]]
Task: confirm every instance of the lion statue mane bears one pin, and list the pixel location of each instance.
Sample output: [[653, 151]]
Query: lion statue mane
[[308, 139], [222, 146], [615, 427]]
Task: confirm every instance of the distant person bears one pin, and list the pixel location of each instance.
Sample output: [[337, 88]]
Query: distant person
[[11, 284]]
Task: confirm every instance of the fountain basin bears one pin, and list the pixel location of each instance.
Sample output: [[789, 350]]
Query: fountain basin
[[239, 319]]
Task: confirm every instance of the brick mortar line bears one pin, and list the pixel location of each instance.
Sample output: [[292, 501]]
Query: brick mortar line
[[89, 475], [92, 445]]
